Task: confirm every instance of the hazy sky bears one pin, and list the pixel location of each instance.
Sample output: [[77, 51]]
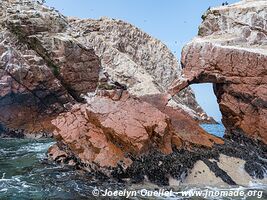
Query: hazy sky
[[174, 22]]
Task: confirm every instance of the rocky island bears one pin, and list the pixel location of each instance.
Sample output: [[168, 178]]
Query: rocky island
[[118, 102]]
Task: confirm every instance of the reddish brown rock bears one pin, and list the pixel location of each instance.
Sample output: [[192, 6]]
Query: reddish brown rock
[[56, 153], [86, 139], [42, 69], [48, 62], [186, 130], [230, 52], [105, 131]]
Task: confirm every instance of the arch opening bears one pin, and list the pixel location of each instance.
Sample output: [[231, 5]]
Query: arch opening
[[207, 100]]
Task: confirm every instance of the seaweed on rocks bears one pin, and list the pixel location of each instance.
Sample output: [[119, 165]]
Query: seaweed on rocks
[[157, 167], [11, 133], [254, 152], [213, 166]]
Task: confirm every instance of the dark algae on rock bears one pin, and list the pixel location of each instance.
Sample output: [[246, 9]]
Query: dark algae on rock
[[158, 167], [118, 103]]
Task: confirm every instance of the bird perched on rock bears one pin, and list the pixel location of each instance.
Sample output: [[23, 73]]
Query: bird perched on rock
[[225, 3], [41, 2]]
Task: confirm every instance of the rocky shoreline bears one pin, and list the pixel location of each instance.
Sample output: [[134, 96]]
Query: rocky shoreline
[[20, 133], [182, 165], [119, 104]]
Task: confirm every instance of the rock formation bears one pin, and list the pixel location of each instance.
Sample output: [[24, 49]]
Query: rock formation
[[108, 132], [52, 82], [231, 52], [135, 59], [42, 67], [100, 86], [49, 63]]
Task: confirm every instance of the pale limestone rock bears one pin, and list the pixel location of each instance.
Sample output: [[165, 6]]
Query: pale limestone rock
[[135, 59], [201, 175], [234, 167]]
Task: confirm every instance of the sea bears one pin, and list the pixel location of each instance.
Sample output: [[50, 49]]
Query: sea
[[25, 173]]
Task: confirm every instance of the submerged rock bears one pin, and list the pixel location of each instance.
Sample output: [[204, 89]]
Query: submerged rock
[[231, 52]]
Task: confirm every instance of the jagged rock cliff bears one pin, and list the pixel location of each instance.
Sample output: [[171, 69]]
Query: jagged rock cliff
[[136, 59], [48, 62], [42, 67], [100, 87], [231, 52], [50, 76]]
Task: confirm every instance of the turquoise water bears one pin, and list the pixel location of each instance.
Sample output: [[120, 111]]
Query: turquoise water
[[26, 174]]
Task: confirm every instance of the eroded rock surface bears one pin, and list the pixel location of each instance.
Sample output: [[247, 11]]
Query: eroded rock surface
[[134, 58], [42, 68], [231, 53], [49, 62], [111, 133], [51, 80]]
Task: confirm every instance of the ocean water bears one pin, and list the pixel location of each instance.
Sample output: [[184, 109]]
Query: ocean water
[[26, 174], [214, 129]]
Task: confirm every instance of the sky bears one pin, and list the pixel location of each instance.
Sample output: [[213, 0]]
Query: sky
[[174, 22]]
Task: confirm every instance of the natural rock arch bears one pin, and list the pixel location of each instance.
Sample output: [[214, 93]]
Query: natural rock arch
[[242, 100], [231, 54]]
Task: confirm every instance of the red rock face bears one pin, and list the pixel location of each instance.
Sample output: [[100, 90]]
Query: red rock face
[[85, 139], [41, 68], [184, 128], [105, 131], [47, 63], [227, 54]]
